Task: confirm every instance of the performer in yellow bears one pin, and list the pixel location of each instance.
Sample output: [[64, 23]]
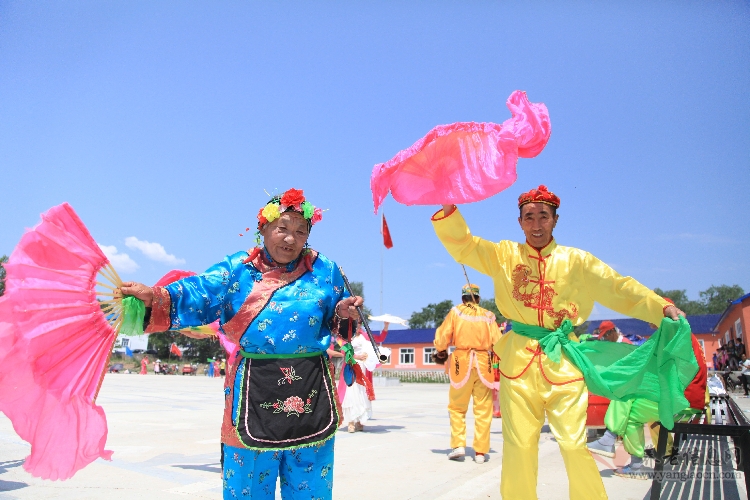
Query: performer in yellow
[[546, 289], [473, 330]]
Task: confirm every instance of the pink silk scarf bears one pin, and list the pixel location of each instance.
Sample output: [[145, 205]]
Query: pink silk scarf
[[464, 161]]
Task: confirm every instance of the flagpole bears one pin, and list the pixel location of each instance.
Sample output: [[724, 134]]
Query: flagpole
[[382, 219]]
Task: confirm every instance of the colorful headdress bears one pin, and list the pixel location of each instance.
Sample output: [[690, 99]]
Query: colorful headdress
[[539, 195], [470, 290], [293, 199]]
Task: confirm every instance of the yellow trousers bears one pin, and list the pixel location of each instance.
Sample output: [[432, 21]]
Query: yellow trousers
[[459, 404], [526, 395]]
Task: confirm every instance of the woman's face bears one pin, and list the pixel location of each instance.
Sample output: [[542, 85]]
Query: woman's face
[[285, 237]]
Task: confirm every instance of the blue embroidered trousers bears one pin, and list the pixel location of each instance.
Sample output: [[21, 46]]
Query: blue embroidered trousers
[[304, 473]]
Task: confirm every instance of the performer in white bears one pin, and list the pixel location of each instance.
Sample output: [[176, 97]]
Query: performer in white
[[357, 403]]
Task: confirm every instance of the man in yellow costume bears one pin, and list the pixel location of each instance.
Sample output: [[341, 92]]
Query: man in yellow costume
[[473, 330], [546, 290]]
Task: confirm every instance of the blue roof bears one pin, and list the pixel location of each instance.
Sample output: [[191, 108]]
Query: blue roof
[[699, 323], [421, 336], [704, 323]]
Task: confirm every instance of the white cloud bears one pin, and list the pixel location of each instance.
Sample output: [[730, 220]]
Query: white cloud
[[120, 261], [153, 251]]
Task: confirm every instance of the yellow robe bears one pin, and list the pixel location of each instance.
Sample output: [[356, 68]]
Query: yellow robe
[[544, 287], [473, 331]]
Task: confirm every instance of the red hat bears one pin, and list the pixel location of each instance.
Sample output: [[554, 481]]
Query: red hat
[[605, 327], [540, 195], [669, 300]]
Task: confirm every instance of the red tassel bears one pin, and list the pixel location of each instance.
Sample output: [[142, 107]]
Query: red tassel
[[252, 255]]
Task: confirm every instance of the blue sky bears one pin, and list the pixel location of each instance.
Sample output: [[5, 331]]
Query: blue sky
[[164, 122]]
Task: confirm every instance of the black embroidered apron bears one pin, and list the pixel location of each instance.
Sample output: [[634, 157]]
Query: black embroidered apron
[[285, 401]]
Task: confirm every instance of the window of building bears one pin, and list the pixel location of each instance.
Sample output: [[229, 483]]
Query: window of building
[[738, 329], [406, 356], [427, 357], [726, 336]]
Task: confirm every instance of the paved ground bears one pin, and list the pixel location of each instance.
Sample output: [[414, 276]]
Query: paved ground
[[164, 432]]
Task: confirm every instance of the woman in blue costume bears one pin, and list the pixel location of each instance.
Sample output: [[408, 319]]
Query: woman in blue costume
[[281, 303]]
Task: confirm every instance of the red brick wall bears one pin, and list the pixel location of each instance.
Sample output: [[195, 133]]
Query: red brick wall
[[742, 312]]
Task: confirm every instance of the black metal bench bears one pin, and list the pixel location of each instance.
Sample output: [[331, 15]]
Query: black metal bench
[[712, 454]]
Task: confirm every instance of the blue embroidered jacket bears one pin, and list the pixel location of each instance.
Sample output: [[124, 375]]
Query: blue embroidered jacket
[[294, 316]]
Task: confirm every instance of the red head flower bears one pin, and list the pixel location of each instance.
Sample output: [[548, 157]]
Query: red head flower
[[293, 198], [261, 220]]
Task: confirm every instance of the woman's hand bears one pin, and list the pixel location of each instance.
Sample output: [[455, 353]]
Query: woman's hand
[[361, 357], [347, 308], [139, 291]]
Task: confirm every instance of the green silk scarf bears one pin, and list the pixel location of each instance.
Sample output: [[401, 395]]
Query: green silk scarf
[[659, 370]]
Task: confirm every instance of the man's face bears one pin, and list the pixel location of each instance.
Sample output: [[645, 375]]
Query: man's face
[[285, 237], [610, 336], [537, 223]]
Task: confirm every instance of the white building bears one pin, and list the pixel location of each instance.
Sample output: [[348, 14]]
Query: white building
[[134, 342]]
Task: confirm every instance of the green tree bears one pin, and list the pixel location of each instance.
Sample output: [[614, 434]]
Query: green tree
[[3, 260], [581, 329], [717, 298], [490, 305], [682, 302], [359, 289], [712, 300], [431, 316], [193, 349]]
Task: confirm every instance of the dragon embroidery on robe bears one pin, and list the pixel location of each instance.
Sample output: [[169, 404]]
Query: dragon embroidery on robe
[[540, 295]]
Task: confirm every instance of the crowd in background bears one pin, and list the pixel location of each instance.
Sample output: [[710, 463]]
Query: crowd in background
[[729, 356]]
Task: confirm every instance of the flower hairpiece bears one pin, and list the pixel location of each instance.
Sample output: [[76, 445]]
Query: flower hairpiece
[[293, 199]]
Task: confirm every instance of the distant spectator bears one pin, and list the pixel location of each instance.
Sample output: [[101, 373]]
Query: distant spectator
[[716, 362], [610, 333], [723, 358], [745, 365], [732, 355], [739, 348]]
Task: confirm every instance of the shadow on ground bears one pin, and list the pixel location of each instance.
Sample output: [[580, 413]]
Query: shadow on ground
[[11, 485], [206, 467], [469, 452], [4, 466], [379, 429]]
